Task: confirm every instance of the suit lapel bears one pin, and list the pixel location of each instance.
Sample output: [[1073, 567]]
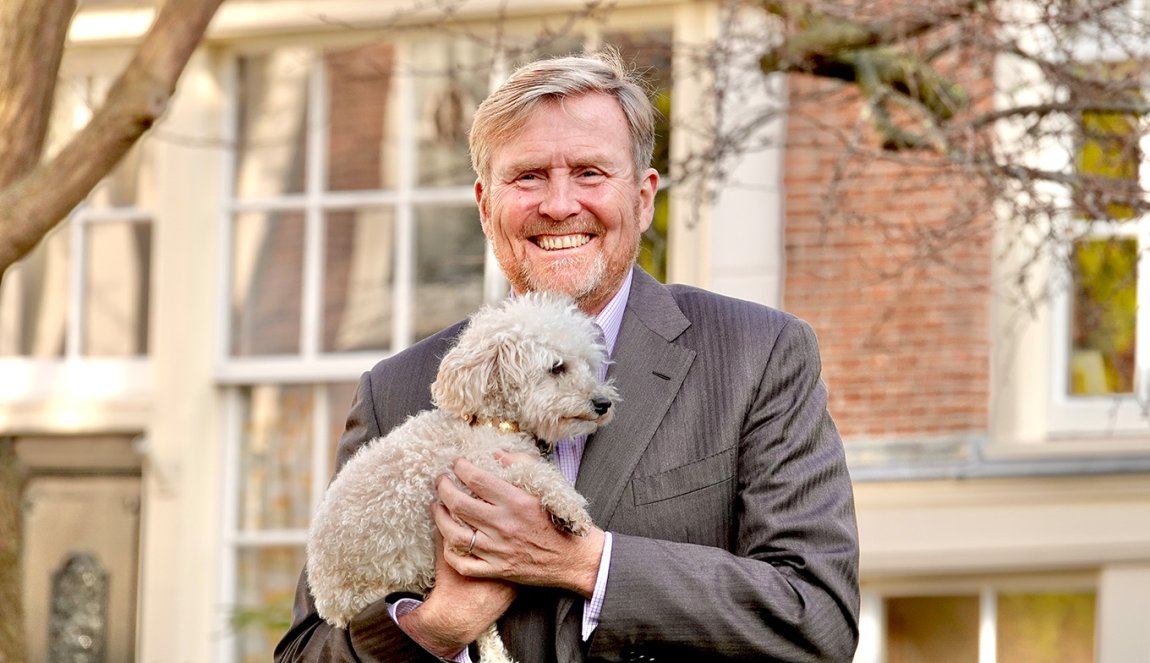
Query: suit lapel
[[648, 371]]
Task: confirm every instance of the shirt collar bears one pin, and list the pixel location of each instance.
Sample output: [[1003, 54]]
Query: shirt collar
[[610, 319]]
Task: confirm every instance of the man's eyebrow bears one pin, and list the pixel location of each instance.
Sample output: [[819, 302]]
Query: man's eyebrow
[[598, 160], [520, 166]]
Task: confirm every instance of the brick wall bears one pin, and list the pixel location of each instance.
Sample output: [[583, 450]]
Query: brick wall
[[890, 263]]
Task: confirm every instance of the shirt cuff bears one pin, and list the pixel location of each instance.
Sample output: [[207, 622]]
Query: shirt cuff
[[404, 606], [593, 606]]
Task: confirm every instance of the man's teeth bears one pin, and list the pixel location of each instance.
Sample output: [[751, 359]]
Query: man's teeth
[[556, 242]]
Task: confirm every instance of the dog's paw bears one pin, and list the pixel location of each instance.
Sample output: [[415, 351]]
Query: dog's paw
[[577, 526]]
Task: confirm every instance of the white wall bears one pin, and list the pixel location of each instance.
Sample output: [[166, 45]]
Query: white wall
[[180, 545]]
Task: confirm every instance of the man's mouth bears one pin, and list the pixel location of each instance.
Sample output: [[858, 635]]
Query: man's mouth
[[558, 242]]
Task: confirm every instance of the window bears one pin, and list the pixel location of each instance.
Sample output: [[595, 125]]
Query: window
[[351, 232], [1037, 626], [1101, 382], [84, 291], [350, 204], [1104, 269], [650, 53], [278, 462]]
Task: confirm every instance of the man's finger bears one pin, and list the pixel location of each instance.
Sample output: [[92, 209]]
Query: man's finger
[[454, 497], [472, 512], [456, 535], [485, 485], [507, 459]]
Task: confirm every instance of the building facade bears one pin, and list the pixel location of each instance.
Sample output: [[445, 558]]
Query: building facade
[[178, 357]]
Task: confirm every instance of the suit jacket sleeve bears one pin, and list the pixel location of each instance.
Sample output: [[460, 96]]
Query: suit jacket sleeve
[[786, 586], [372, 636]]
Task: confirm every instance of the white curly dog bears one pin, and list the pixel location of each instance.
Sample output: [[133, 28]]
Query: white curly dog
[[521, 377]]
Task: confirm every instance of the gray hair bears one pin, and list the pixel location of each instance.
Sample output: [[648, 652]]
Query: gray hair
[[555, 79]]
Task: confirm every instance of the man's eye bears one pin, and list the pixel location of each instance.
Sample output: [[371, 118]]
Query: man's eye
[[559, 368]]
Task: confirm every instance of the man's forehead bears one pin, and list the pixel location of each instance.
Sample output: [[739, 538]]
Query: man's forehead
[[595, 137]]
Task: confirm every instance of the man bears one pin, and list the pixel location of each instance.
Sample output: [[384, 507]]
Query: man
[[725, 515]]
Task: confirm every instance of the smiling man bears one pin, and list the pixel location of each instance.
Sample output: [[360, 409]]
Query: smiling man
[[563, 206], [724, 512]]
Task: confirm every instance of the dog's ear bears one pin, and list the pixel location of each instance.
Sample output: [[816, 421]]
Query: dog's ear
[[513, 365], [468, 375]]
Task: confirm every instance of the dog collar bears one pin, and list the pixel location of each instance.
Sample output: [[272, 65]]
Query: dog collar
[[505, 426], [502, 425]]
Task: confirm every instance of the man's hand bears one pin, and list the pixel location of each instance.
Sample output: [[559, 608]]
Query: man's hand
[[457, 610], [515, 539]]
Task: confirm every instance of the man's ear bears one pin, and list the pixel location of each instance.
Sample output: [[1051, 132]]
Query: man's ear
[[648, 187], [481, 203]]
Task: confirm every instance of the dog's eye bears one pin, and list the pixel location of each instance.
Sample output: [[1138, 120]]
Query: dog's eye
[[559, 368]]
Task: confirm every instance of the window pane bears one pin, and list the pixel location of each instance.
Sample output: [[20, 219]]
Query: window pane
[[449, 267], [275, 457], [649, 53], [653, 248], [272, 149], [71, 109], [339, 398], [34, 299], [267, 282], [116, 288], [1103, 317], [265, 586], [450, 79], [359, 258], [10, 303], [932, 629], [130, 182], [362, 119], [1109, 154], [1046, 628]]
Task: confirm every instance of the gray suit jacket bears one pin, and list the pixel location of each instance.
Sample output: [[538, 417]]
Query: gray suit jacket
[[722, 480]]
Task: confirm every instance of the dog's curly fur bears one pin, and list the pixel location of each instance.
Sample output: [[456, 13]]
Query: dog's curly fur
[[532, 361]]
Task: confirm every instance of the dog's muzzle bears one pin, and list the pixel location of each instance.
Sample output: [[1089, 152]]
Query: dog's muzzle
[[601, 405]]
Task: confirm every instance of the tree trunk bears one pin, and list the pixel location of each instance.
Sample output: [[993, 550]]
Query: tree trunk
[[32, 34], [13, 649]]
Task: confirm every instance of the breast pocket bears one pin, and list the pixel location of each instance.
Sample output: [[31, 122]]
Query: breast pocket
[[692, 503], [685, 479]]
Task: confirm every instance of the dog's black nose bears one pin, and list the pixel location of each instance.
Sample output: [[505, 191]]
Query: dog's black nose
[[601, 405]]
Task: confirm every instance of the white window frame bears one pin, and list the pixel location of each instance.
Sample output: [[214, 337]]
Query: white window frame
[[234, 539], [1033, 413], [1107, 415], [310, 364], [74, 375], [872, 647], [77, 226]]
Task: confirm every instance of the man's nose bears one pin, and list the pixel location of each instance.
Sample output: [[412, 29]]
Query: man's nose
[[559, 201]]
